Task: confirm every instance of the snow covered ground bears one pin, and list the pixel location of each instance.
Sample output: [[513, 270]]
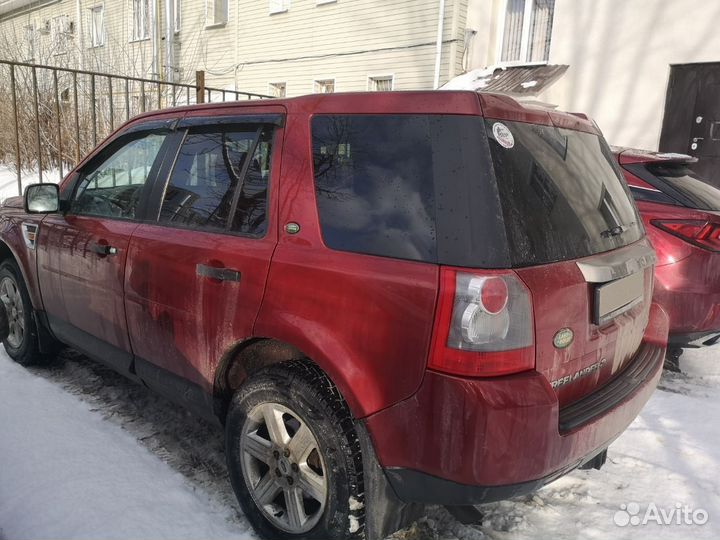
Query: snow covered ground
[[86, 454]]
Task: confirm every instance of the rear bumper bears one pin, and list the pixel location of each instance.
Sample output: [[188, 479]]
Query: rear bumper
[[466, 441]]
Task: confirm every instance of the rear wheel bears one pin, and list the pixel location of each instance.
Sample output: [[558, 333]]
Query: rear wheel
[[21, 343], [293, 455]]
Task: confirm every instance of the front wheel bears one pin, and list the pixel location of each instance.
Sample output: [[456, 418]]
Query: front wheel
[[293, 455], [21, 343]]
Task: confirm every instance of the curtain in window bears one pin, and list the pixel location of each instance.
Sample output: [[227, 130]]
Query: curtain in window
[[512, 33], [97, 26], [540, 30]]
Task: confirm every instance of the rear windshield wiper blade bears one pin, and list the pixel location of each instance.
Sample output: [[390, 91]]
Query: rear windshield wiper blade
[[614, 231]]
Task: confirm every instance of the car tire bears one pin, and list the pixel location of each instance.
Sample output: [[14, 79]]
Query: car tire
[[22, 344], [293, 455]]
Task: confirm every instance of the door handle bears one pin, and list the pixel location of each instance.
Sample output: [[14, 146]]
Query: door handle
[[221, 274], [103, 249]]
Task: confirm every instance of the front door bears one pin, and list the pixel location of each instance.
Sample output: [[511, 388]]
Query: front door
[[82, 253], [196, 275], [691, 124]]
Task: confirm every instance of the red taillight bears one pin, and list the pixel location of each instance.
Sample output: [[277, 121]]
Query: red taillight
[[484, 325], [703, 234]]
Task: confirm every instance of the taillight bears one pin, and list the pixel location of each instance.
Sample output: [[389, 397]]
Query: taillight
[[484, 325], [701, 233]]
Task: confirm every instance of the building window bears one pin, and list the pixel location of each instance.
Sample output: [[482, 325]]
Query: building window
[[97, 26], [216, 12], [141, 20], [178, 20], [527, 28], [324, 86], [61, 28], [382, 83], [279, 6], [277, 89], [29, 43]]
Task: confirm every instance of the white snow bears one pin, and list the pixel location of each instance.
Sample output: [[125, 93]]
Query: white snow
[[86, 454], [9, 185]]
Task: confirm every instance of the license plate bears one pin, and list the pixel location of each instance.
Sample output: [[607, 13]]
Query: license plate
[[616, 297]]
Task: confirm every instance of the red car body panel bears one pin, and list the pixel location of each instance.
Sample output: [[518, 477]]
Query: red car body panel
[[367, 321], [687, 277]]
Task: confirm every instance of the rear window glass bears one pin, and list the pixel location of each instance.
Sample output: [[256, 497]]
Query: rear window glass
[[441, 189], [700, 194], [562, 194]]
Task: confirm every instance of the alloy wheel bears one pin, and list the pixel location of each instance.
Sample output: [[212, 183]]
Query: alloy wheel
[[11, 298], [283, 468]]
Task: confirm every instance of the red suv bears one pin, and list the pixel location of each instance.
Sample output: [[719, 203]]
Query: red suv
[[388, 299], [682, 215]]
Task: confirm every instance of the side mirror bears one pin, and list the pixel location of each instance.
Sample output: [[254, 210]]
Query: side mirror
[[42, 198]]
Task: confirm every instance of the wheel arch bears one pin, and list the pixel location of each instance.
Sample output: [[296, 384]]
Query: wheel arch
[[250, 355]]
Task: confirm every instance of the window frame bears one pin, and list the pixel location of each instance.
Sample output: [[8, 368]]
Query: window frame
[[162, 182], [524, 40], [60, 34], [104, 153], [146, 21], [92, 10], [276, 7], [30, 41], [273, 85], [373, 78], [215, 23], [320, 80]]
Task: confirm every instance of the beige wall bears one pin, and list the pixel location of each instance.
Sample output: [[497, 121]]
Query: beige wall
[[620, 53], [348, 40]]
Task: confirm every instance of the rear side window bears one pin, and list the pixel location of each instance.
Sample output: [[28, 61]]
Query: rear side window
[[562, 195], [219, 174], [415, 187], [700, 194], [651, 195]]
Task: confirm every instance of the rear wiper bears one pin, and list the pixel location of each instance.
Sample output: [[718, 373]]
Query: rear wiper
[[615, 231]]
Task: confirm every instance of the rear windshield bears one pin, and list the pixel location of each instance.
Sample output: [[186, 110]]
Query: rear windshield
[[562, 195], [442, 189], [700, 194]]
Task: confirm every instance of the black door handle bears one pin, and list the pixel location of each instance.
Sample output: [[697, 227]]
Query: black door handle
[[221, 274], [103, 249]]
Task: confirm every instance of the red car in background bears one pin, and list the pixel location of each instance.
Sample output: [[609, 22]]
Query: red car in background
[[681, 213]]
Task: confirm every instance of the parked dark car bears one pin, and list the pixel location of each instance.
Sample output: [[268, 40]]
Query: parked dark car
[[681, 213], [388, 299]]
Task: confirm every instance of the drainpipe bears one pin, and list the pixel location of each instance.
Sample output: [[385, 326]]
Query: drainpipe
[[438, 47], [169, 40], [155, 65], [80, 34]]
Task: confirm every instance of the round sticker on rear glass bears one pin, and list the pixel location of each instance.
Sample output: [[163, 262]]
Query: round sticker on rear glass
[[503, 135]]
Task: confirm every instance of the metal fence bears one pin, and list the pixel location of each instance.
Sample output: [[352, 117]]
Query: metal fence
[[50, 116]]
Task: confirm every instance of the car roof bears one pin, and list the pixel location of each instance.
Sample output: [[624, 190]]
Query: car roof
[[495, 106]]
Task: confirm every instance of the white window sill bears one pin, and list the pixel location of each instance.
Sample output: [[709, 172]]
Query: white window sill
[[138, 40], [278, 12], [215, 25], [323, 2], [97, 46]]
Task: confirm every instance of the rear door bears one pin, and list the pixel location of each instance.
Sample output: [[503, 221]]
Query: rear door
[[197, 269], [577, 241], [82, 253]]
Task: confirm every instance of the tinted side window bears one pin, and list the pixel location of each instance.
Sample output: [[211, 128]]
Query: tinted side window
[[212, 170], [650, 195], [113, 187], [374, 185]]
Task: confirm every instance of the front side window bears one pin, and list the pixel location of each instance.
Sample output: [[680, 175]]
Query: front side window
[[97, 26], [526, 31], [141, 20], [219, 174], [113, 186]]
